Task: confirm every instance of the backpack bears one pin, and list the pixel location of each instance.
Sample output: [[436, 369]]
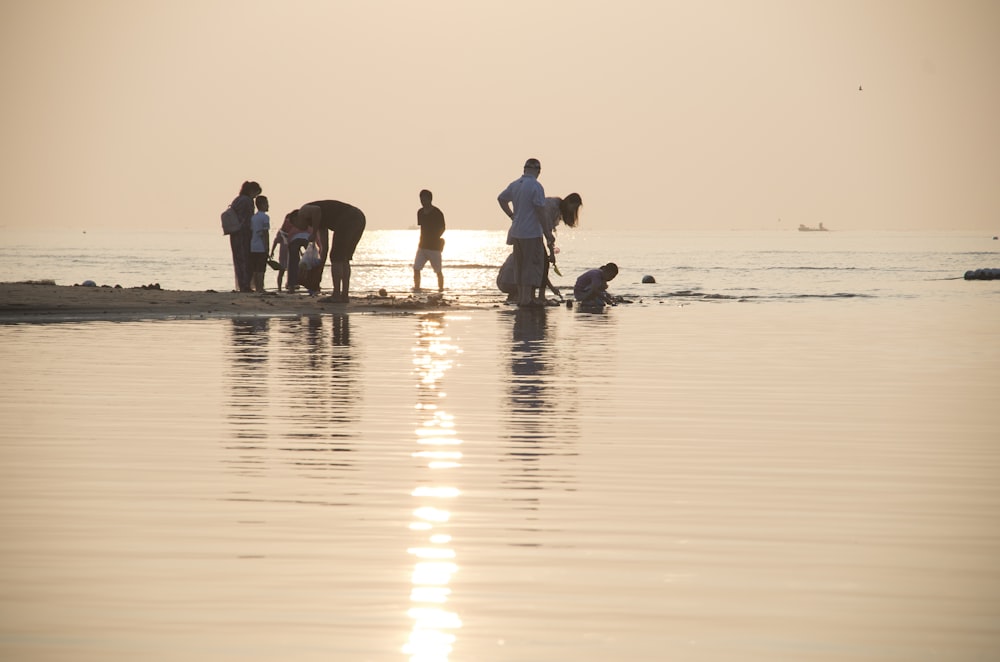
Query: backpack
[[230, 221]]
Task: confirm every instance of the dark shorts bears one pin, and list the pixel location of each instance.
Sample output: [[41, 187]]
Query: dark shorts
[[346, 237], [258, 262]]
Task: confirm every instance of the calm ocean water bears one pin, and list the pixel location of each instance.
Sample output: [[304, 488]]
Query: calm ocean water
[[785, 449], [746, 266]]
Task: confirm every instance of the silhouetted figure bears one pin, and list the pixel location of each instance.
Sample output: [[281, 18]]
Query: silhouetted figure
[[556, 210], [592, 285], [298, 234], [347, 223], [260, 228], [526, 231], [431, 244], [281, 240], [239, 241]]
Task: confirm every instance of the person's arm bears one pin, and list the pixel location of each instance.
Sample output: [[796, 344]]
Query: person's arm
[[550, 242], [438, 229], [311, 218], [506, 209], [317, 236], [505, 199], [265, 229]]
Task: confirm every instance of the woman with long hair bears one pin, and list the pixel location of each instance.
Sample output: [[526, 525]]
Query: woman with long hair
[[239, 241]]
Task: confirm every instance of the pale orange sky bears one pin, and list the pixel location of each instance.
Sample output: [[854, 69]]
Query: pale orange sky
[[719, 114]]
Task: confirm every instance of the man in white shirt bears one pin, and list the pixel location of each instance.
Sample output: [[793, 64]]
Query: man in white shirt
[[526, 232]]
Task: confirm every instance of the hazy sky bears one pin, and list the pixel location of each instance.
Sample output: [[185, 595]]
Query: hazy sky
[[712, 114]]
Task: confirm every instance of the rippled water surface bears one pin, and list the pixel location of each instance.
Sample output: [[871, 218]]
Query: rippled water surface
[[702, 482], [686, 266]]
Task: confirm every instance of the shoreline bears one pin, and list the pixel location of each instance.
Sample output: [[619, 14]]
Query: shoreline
[[44, 301]]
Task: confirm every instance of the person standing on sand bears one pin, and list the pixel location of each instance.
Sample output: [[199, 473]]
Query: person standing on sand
[[281, 241], [260, 227], [526, 232], [347, 223], [239, 241], [431, 222]]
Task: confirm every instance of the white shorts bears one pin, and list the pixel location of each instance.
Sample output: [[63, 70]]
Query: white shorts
[[424, 256]]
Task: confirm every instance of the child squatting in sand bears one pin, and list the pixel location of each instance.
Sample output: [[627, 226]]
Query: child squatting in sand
[[592, 285]]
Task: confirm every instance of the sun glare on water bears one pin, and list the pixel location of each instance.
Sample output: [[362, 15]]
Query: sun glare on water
[[434, 625], [470, 260]]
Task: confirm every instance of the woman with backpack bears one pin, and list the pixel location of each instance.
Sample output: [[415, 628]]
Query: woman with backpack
[[239, 240]]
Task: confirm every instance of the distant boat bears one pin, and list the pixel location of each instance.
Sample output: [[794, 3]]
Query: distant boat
[[806, 228]]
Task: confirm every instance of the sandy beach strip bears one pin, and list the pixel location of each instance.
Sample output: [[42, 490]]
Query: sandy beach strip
[[45, 301]]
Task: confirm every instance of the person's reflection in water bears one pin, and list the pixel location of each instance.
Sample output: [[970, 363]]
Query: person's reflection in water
[[247, 411], [432, 636], [542, 420], [318, 407], [343, 386]]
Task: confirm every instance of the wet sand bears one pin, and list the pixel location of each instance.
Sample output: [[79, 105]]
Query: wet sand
[[45, 301]]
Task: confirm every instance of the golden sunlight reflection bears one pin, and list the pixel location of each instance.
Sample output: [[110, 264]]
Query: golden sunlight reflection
[[432, 514], [432, 552], [432, 636], [471, 260]]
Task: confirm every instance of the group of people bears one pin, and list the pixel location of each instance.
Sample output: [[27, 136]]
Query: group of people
[[311, 223], [524, 276]]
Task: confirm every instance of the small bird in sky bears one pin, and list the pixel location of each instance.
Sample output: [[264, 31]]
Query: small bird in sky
[[859, 88]]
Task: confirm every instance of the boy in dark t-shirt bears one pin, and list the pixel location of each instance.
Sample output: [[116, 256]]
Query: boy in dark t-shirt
[[431, 222]]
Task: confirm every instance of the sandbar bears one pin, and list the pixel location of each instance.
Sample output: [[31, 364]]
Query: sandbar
[[44, 301]]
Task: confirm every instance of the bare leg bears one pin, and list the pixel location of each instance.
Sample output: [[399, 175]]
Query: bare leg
[[416, 280], [341, 273], [440, 281], [347, 280], [545, 281], [336, 277]]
